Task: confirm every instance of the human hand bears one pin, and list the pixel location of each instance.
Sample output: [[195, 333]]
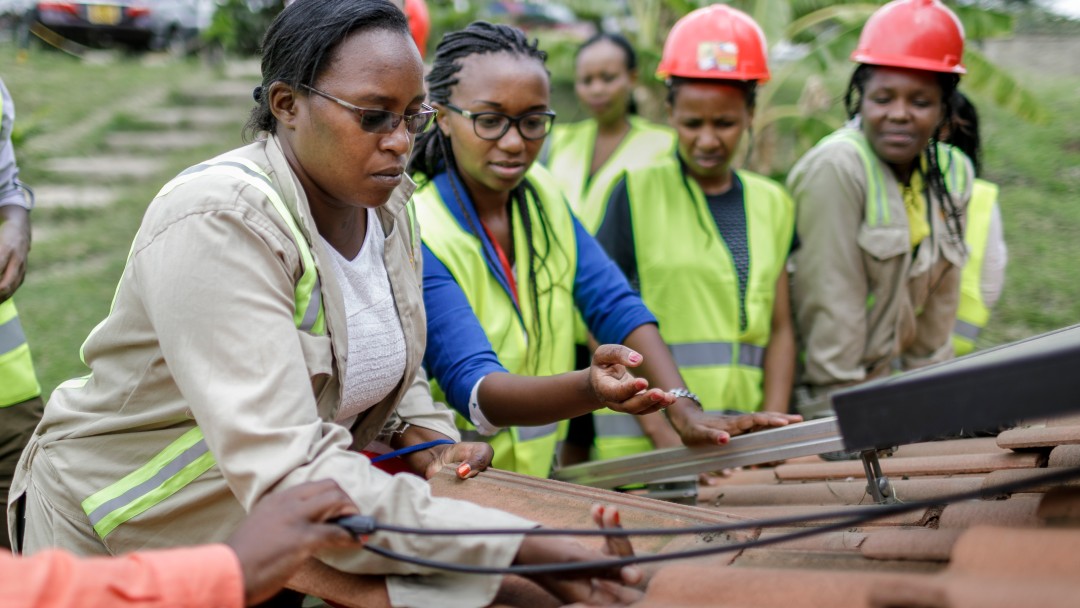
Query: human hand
[[467, 457], [609, 587], [283, 530], [703, 428], [14, 248], [616, 388]]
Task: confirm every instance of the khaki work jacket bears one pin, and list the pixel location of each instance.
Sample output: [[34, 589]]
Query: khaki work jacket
[[202, 332], [862, 299]]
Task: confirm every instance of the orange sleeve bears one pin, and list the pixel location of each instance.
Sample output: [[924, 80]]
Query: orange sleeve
[[199, 577]]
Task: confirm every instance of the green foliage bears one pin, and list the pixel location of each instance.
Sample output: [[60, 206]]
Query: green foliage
[[238, 28]]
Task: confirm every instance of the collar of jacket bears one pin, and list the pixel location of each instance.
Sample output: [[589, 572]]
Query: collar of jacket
[[333, 301]]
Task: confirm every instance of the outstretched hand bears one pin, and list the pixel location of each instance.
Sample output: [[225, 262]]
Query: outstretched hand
[[616, 388], [703, 428], [611, 587], [283, 530]]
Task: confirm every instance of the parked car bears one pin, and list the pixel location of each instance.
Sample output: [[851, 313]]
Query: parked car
[[139, 24]]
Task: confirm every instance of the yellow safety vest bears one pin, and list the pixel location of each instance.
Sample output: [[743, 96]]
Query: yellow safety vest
[[688, 280], [569, 157], [18, 382], [973, 313], [188, 457], [528, 450]]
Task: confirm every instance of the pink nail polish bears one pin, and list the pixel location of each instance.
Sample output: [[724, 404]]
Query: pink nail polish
[[635, 358]]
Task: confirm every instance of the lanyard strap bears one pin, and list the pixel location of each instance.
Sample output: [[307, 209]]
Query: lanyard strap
[[505, 261]]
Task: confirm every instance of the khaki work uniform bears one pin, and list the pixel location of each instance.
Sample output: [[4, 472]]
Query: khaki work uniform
[[862, 297], [202, 332]]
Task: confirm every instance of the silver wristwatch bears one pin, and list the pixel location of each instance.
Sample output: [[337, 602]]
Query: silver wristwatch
[[682, 392]]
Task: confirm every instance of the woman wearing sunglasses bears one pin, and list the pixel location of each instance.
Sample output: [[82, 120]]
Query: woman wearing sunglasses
[[268, 321], [506, 263]]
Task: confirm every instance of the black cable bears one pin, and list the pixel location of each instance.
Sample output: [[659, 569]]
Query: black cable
[[368, 525], [848, 518]]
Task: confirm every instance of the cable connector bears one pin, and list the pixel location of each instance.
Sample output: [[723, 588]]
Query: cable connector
[[357, 525]]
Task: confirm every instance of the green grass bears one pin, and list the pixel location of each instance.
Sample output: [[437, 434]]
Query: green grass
[[1038, 170], [79, 254]]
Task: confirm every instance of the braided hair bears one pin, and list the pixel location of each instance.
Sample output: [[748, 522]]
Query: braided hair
[[935, 175], [433, 154], [302, 39], [628, 52], [963, 131]]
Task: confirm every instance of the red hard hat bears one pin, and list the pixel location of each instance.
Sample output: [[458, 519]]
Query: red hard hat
[[915, 34], [416, 12], [715, 42]]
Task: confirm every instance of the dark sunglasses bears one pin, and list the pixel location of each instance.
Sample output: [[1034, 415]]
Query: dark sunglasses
[[384, 121], [493, 125]]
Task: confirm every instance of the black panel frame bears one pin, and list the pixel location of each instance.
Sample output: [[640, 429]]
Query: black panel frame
[[985, 391]]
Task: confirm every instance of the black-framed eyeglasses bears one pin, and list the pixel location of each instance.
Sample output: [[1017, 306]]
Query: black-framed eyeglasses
[[384, 121], [493, 125]]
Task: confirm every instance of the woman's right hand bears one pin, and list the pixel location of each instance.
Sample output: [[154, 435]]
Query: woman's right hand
[[616, 388]]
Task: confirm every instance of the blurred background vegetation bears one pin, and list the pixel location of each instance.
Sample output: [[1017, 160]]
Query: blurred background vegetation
[[1021, 75]]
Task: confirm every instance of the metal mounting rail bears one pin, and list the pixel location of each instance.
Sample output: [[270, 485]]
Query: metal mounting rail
[[802, 439]]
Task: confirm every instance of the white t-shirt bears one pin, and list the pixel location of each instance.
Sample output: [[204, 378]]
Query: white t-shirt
[[376, 355]]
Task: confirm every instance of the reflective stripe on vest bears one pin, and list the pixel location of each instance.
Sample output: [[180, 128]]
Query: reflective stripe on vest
[[717, 353], [527, 450], [951, 161], [973, 314], [617, 424], [18, 382], [172, 469], [689, 281], [188, 457], [570, 153]]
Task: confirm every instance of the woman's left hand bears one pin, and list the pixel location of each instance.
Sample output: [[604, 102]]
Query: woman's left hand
[[467, 457]]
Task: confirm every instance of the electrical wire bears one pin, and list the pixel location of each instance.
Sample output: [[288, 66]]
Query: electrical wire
[[845, 519]]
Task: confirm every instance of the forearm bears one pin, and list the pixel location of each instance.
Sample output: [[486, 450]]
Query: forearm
[[660, 370], [14, 227], [780, 353], [779, 370], [512, 400]]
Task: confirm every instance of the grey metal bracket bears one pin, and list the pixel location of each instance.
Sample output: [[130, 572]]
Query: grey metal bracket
[[681, 490], [803, 439], [877, 484]]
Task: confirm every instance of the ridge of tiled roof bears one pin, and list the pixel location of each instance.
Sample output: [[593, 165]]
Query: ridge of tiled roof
[[1021, 549]]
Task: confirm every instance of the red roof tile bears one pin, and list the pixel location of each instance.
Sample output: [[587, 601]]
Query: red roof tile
[[1019, 510], [910, 543], [1039, 437], [1065, 456], [830, 492], [916, 465]]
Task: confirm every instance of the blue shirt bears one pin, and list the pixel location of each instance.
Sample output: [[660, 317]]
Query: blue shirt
[[459, 353]]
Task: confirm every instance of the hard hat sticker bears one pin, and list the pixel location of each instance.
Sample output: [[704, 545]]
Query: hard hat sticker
[[720, 56]]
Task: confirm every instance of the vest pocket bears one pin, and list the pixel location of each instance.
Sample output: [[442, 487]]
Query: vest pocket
[[884, 242]]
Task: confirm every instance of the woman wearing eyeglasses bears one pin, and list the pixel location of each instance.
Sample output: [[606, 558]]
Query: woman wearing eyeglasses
[[268, 323], [506, 263]]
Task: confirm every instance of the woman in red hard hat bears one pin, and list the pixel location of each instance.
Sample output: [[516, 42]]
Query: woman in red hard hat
[[704, 243], [881, 209]]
